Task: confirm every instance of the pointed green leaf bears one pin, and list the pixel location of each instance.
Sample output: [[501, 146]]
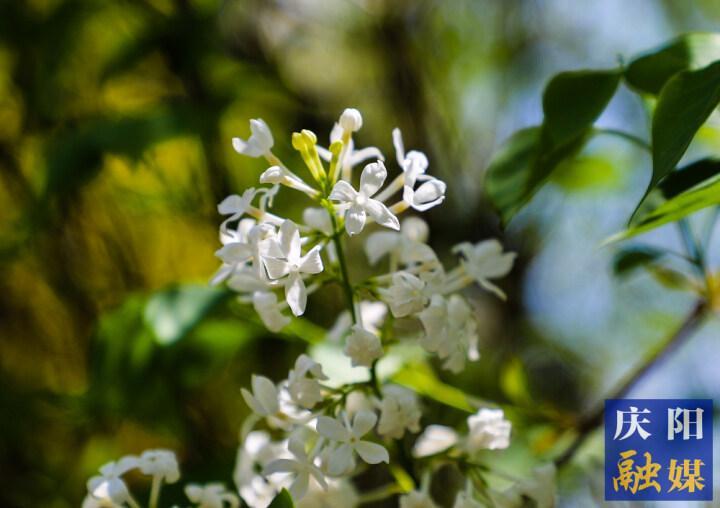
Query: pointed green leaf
[[704, 194], [572, 101], [685, 102], [631, 258], [688, 177], [650, 72], [282, 500]]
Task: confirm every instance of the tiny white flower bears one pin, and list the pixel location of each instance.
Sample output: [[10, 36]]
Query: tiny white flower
[[301, 466], [372, 313], [408, 246], [303, 384], [253, 455], [160, 463], [109, 487], [406, 295], [399, 411], [212, 495], [418, 159], [450, 331], [259, 143], [267, 306], [340, 493], [488, 430], [289, 264], [359, 204], [484, 261], [430, 193], [351, 120], [363, 347], [434, 439], [236, 251], [417, 499], [279, 175], [349, 440], [236, 206], [263, 401]]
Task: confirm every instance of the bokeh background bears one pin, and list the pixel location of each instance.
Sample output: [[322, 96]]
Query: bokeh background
[[115, 127]]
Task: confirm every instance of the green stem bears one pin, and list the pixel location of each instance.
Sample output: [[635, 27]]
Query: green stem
[[345, 282], [155, 491], [627, 136]]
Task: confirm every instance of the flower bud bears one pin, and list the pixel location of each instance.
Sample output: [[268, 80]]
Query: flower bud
[[351, 120]]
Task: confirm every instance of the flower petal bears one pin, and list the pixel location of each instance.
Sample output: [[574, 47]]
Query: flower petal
[[379, 244], [299, 486], [265, 393], [331, 429], [312, 262], [343, 192], [372, 178], [382, 214], [280, 466], [290, 240], [363, 423], [296, 294], [372, 453], [370, 152], [276, 268], [399, 147], [341, 460], [355, 219]]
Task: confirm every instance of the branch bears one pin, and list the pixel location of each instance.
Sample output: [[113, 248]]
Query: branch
[[594, 418]]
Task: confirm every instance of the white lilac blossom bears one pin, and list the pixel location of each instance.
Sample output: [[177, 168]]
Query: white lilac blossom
[[399, 411], [450, 331], [372, 314], [263, 400], [161, 464], [363, 347], [349, 440], [407, 246], [303, 385], [487, 430], [256, 452], [358, 204], [350, 121], [484, 261], [301, 466], [212, 495], [270, 310], [290, 265], [339, 493], [406, 295], [259, 143], [109, 487], [435, 439]]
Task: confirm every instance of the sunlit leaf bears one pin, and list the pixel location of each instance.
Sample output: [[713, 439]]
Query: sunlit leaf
[[422, 379], [650, 72], [685, 102], [584, 173], [171, 314], [701, 196], [282, 500]]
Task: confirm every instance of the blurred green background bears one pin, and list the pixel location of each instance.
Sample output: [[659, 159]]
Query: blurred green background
[[115, 127]]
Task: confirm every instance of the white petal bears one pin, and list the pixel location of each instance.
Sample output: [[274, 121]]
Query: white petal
[[273, 175], [363, 423], [332, 429], [252, 403], [290, 240], [231, 205], [399, 147], [355, 219], [265, 392], [343, 192], [296, 294], [299, 486], [380, 244], [434, 439], [367, 153], [372, 453], [312, 262], [372, 178], [429, 194], [234, 253], [276, 268], [382, 214], [341, 460], [280, 466]]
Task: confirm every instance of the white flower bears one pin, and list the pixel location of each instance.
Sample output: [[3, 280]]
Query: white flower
[[160, 463], [488, 430], [406, 295], [399, 410], [417, 499], [279, 175], [253, 455], [351, 120], [450, 331], [267, 306], [349, 439], [290, 265], [212, 495], [263, 401], [359, 204], [109, 487], [434, 439], [301, 466], [235, 251], [484, 261], [363, 347], [303, 383], [419, 159], [260, 142], [372, 313], [539, 490], [340, 493], [408, 246], [236, 206], [430, 193]]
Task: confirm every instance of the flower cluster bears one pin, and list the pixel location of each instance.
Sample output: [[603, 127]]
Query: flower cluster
[[307, 433]]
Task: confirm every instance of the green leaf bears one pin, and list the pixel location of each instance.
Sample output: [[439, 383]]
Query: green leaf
[[689, 176], [422, 379], [282, 500], [685, 102], [585, 173], [650, 72], [572, 101], [172, 313], [631, 258], [705, 194]]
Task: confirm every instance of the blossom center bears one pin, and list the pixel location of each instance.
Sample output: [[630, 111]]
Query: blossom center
[[361, 199]]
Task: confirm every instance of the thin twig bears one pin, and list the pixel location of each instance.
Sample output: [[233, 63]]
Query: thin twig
[[594, 418]]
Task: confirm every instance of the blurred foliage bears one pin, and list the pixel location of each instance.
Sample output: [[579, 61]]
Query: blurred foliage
[[115, 121]]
